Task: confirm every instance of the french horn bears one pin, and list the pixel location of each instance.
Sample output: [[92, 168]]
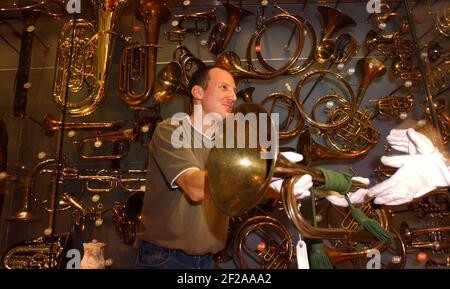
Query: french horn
[[90, 61]]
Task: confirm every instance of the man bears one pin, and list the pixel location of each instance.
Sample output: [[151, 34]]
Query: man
[[182, 228]]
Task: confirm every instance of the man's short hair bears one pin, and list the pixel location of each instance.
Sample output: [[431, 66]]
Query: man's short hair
[[201, 76]]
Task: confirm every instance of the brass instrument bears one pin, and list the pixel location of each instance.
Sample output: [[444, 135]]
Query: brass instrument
[[313, 151], [40, 253], [262, 242], [435, 239], [381, 20], [28, 14], [138, 62], [288, 101], [221, 33], [443, 117], [121, 138], [126, 216], [194, 22], [90, 62], [184, 57], [255, 172], [263, 26], [393, 106], [51, 125], [80, 213], [442, 22], [359, 134], [231, 61], [333, 20], [346, 103], [3, 146]]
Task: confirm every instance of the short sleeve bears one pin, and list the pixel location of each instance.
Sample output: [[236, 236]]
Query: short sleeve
[[172, 161]]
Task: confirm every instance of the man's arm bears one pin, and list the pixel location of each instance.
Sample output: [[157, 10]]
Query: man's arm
[[194, 184]]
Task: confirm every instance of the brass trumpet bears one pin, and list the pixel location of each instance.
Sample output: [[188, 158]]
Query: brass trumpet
[[138, 62], [90, 61], [51, 125], [221, 33], [435, 239], [393, 106], [194, 22], [262, 242], [333, 20]]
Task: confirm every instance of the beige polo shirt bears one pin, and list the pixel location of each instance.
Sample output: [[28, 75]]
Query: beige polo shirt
[[170, 218]]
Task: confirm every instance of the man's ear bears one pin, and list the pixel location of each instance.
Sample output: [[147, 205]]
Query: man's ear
[[197, 92]]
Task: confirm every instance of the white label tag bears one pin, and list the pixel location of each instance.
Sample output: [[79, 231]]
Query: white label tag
[[302, 255]]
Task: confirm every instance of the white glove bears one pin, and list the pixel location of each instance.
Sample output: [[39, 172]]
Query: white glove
[[359, 196], [301, 186], [410, 141], [417, 175]]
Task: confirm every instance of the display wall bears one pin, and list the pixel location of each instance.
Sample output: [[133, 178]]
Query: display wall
[[32, 156]]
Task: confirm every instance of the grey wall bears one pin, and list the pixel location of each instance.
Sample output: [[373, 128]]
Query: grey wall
[[26, 138]]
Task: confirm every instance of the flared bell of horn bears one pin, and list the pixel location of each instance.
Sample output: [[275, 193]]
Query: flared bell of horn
[[167, 82]]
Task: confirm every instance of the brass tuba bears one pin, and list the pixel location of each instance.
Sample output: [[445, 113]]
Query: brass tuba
[[333, 20], [221, 33], [90, 60], [138, 62]]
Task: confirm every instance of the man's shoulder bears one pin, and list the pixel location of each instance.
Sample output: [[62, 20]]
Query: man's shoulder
[[169, 125]]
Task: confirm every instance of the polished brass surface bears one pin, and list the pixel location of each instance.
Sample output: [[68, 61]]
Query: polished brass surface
[[221, 33], [194, 22], [393, 106], [40, 253], [232, 62], [333, 20], [51, 125], [382, 18], [255, 173], [138, 62], [126, 217], [262, 242], [435, 238], [90, 61]]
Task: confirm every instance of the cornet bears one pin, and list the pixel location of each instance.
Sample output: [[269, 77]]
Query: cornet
[[194, 22], [435, 239], [393, 106]]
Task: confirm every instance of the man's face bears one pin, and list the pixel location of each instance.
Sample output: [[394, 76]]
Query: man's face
[[219, 95]]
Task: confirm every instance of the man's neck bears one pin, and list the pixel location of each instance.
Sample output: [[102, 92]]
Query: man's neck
[[198, 123]]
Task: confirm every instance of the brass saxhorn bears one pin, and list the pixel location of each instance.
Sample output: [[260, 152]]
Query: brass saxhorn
[[262, 242], [90, 62], [51, 125], [333, 20], [40, 253], [435, 239], [221, 33], [138, 62], [194, 22], [238, 155]]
